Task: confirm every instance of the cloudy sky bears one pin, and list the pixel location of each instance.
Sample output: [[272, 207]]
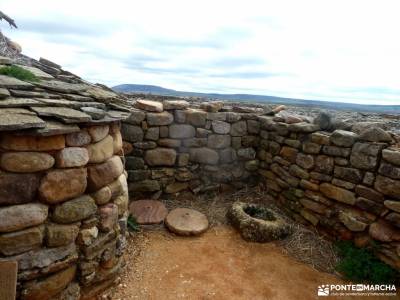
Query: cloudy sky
[[327, 50]]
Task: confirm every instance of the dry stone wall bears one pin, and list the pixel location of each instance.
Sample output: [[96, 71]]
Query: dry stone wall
[[63, 210], [345, 183], [171, 147]]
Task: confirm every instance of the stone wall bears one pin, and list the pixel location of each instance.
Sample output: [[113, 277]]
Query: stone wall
[[171, 147], [346, 183], [63, 210]]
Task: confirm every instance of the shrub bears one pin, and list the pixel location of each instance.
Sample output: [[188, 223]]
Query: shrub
[[132, 224], [19, 73], [362, 265]]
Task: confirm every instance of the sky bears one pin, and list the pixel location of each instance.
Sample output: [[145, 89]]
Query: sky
[[333, 50]]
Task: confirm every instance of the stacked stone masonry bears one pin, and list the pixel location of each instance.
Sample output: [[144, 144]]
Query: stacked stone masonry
[[63, 210], [346, 184]]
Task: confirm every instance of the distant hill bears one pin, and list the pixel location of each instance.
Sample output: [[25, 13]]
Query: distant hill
[[157, 90]]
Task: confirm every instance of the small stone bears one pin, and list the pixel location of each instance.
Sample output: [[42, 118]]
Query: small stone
[[375, 134], [175, 104], [305, 161], [108, 217], [181, 131], [176, 187], [60, 185], [247, 109], [97, 133], [148, 211], [61, 235], [18, 188], [102, 196], [351, 222], [338, 194], [101, 151], [184, 221], [17, 217], [343, 138], [239, 128], [196, 117], [26, 162], [289, 153], [183, 159], [393, 205], [204, 156], [102, 174], [389, 170], [21, 241], [160, 157], [246, 153], [324, 164], [88, 235], [144, 186], [78, 139], [136, 117], [336, 151], [170, 143], [74, 210], [149, 105], [344, 184], [72, 157], [159, 119], [32, 143], [221, 127]]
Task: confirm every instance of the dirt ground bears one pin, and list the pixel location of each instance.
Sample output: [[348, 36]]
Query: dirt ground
[[216, 265]]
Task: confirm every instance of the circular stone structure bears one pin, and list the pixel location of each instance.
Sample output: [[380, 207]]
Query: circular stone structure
[[185, 221], [148, 212], [257, 223]]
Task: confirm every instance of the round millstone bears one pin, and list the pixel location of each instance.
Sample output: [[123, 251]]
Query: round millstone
[[185, 221], [148, 211]]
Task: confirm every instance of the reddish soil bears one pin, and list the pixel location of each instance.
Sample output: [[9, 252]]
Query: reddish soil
[[216, 265]]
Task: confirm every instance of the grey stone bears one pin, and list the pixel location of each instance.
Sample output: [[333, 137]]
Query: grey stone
[[196, 117], [218, 141], [204, 156], [336, 151], [175, 104], [133, 163], [239, 128], [392, 155], [303, 127], [181, 131], [65, 114], [348, 174], [221, 127], [343, 138], [152, 133], [246, 153], [74, 210], [132, 133], [136, 117], [253, 126], [365, 155], [160, 157], [17, 217], [95, 113], [159, 119], [375, 134], [388, 186], [144, 186], [62, 87], [13, 83]]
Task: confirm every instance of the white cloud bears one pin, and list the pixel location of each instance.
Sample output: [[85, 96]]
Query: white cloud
[[326, 50]]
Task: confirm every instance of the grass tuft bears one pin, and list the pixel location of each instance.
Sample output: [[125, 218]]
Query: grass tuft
[[19, 73], [132, 224]]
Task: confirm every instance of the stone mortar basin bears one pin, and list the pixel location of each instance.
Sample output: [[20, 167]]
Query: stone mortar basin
[[256, 223]]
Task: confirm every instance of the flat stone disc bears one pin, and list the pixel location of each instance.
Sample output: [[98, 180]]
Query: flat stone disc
[[185, 221], [148, 211]]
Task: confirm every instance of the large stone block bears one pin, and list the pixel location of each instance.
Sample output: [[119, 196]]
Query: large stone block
[[305, 161], [365, 155], [17, 217], [61, 185], [343, 138], [101, 151], [32, 143], [337, 193], [49, 287], [204, 156], [21, 241], [221, 127], [108, 217], [324, 164], [239, 128], [348, 174], [159, 119], [196, 117], [144, 186], [388, 186], [160, 157], [61, 235], [102, 174], [389, 170], [181, 131], [218, 141], [97, 133], [136, 117], [26, 162], [18, 188], [78, 139], [149, 105], [132, 133], [71, 157], [392, 156], [74, 210]]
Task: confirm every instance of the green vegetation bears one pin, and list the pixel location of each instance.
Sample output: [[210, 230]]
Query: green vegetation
[[19, 73], [259, 213], [132, 224], [362, 265]]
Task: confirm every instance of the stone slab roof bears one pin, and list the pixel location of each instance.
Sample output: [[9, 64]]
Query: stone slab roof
[[56, 103]]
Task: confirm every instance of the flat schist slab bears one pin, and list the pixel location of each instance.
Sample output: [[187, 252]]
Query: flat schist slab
[[4, 93], [18, 118], [8, 279], [65, 114], [20, 102], [62, 87], [51, 128], [71, 104], [13, 83], [100, 94], [37, 72], [74, 97]]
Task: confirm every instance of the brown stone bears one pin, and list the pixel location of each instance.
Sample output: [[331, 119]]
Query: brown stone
[[32, 143], [60, 185], [61, 235], [365, 155], [305, 161], [72, 157], [351, 222], [176, 187], [314, 206], [102, 196], [108, 217], [348, 174], [17, 217], [74, 210], [148, 211], [324, 164], [337, 193], [26, 162], [184, 221], [101, 151], [149, 105], [159, 119], [388, 186], [384, 232], [102, 174], [97, 133], [122, 202], [78, 139], [160, 157], [393, 205], [117, 142], [49, 287], [21, 241], [18, 188], [369, 193]]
